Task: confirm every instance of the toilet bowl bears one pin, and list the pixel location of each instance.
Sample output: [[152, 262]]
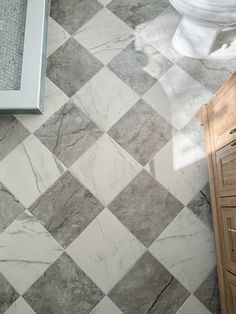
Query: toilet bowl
[[201, 22]]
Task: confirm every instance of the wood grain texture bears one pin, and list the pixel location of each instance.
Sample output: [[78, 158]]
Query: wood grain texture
[[219, 118]]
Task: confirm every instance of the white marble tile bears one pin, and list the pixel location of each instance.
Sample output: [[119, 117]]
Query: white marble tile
[[106, 306], [27, 250], [181, 167], [186, 249], [105, 169], [177, 97], [20, 307], [105, 99], [104, 35], [57, 35], [54, 99], [29, 170], [105, 250], [160, 32], [193, 306]]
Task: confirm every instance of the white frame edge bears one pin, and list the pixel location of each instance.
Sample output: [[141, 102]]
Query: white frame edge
[[28, 97]]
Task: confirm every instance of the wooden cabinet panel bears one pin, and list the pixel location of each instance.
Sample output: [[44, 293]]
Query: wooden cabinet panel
[[219, 120], [229, 233], [222, 117], [226, 170], [232, 293]]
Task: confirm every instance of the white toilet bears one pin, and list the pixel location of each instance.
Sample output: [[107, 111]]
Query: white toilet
[[200, 25]]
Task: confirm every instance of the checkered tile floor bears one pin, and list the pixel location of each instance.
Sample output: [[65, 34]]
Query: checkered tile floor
[[104, 202]]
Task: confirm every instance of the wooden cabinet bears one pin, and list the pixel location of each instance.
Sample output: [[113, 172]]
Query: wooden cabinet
[[231, 285], [229, 236], [219, 120], [222, 116], [226, 170]]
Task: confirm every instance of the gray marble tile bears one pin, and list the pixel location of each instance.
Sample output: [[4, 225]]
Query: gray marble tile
[[63, 288], [208, 293], [66, 209], [145, 208], [7, 295], [78, 64], [201, 206], [142, 132], [10, 207], [210, 73], [71, 14], [12, 133], [137, 12], [139, 66], [148, 288], [68, 133]]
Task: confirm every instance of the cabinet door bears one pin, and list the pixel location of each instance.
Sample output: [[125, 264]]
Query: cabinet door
[[229, 236], [226, 170], [222, 117], [232, 292]]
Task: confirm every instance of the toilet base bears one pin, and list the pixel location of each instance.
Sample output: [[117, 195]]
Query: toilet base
[[196, 40]]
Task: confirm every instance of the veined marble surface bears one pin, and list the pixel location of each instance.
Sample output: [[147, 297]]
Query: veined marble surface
[[109, 41], [104, 201], [95, 99], [106, 250], [105, 169], [29, 167], [26, 251], [176, 249]]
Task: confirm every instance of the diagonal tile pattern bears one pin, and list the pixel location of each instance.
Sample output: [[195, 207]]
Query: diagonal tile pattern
[[73, 13], [106, 306], [119, 131], [181, 97], [64, 288], [10, 207], [145, 208], [201, 206], [29, 167], [105, 250], [136, 12], [204, 70], [105, 169], [20, 306], [74, 60], [208, 293], [68, 133], [27, 250], [180, 166], [57, 36], [102, 41], [12, 133], [66, 209], [95, 99], [7, 294], [176, 247], [159, 33], [141, 132], [148, 288], [192, 305], [129, 67], [54, 100]]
